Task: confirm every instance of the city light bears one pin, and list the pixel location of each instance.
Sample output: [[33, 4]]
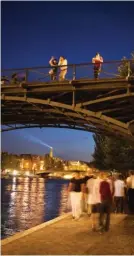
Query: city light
[[15, 172], [27, 173], [68, 176]]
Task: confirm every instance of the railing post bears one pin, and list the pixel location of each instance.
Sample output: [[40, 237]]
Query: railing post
[[73, 99], [74, 72]]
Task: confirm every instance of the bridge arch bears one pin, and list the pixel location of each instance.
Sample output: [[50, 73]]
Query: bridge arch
[[96, 119]]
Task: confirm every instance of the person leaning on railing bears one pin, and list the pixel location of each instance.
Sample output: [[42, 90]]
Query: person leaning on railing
[[97, 61], [4, 80], [18, 78], [14, 79], [63, 70]]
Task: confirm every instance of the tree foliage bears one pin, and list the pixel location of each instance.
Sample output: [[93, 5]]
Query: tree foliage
[[113, 153], [125, 67], [110, 152]]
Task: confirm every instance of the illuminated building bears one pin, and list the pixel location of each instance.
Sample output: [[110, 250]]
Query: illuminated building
[[51, 152], [76, 165]]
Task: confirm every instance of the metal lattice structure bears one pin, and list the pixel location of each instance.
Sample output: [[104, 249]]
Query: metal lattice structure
[[80, 102]]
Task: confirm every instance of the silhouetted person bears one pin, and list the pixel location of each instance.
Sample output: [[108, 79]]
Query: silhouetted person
[[97, 61], [4, 80], [19, 79], [53, 72], [14, 79], [130, 187]]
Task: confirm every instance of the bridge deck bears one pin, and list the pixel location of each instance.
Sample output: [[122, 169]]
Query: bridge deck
[[70, 237], [67, 85]]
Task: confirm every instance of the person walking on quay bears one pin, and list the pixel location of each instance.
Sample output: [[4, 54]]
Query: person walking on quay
[[63, 68], [119, 194], [110, 179], [105, 206], [86, 177], [76, 189], [92, 202], [130, 187], [54, 64], [97, 61], [94, 199]]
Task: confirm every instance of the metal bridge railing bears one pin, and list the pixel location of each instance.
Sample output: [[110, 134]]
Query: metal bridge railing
[[111, 69]]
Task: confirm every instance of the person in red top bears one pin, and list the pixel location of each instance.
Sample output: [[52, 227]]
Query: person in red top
[[106, 202], [97, 61]]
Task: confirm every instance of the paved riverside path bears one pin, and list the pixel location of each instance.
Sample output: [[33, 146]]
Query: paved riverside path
[[70, 237]]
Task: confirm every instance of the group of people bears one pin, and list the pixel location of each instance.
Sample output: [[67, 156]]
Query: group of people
[[101, 193], [62, 63], [16, 78], [58, 70], [54, 70]]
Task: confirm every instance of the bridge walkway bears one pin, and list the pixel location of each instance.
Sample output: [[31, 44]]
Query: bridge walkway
[[70, 237]]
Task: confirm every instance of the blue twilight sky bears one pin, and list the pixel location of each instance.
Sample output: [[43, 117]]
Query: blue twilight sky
[[32, 32]]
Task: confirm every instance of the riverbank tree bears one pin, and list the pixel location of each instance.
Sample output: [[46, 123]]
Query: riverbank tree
[[125, 66], [112, 153]]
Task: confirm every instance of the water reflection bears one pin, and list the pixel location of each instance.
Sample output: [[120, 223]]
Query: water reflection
[[63, 203], [28, 202]]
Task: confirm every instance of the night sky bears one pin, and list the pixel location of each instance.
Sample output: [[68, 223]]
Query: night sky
[[32, 32]]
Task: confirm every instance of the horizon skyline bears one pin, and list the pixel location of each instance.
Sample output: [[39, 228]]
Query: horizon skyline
[[55, 156]]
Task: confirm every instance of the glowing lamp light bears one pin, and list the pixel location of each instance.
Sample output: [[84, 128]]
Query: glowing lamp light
[[15, 172], [68, 176], [27, 173]]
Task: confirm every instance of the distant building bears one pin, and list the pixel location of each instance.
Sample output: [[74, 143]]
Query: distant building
[[51, 152], [25, 162], [75, 165]]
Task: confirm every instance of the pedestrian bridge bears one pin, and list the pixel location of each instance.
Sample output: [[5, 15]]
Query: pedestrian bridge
[[80, 102]]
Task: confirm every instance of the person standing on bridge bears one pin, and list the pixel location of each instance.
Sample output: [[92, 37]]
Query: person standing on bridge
[[63, 68], [53, 72], [97, 61]]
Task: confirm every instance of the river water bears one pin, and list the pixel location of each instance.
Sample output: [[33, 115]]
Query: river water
[[27, 202]]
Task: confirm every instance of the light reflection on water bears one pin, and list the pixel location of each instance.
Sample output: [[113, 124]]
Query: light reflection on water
[[28, 202]]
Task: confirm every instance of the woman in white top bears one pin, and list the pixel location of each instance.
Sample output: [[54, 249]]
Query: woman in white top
[[63, 68], [119, 194], [93, 201]]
